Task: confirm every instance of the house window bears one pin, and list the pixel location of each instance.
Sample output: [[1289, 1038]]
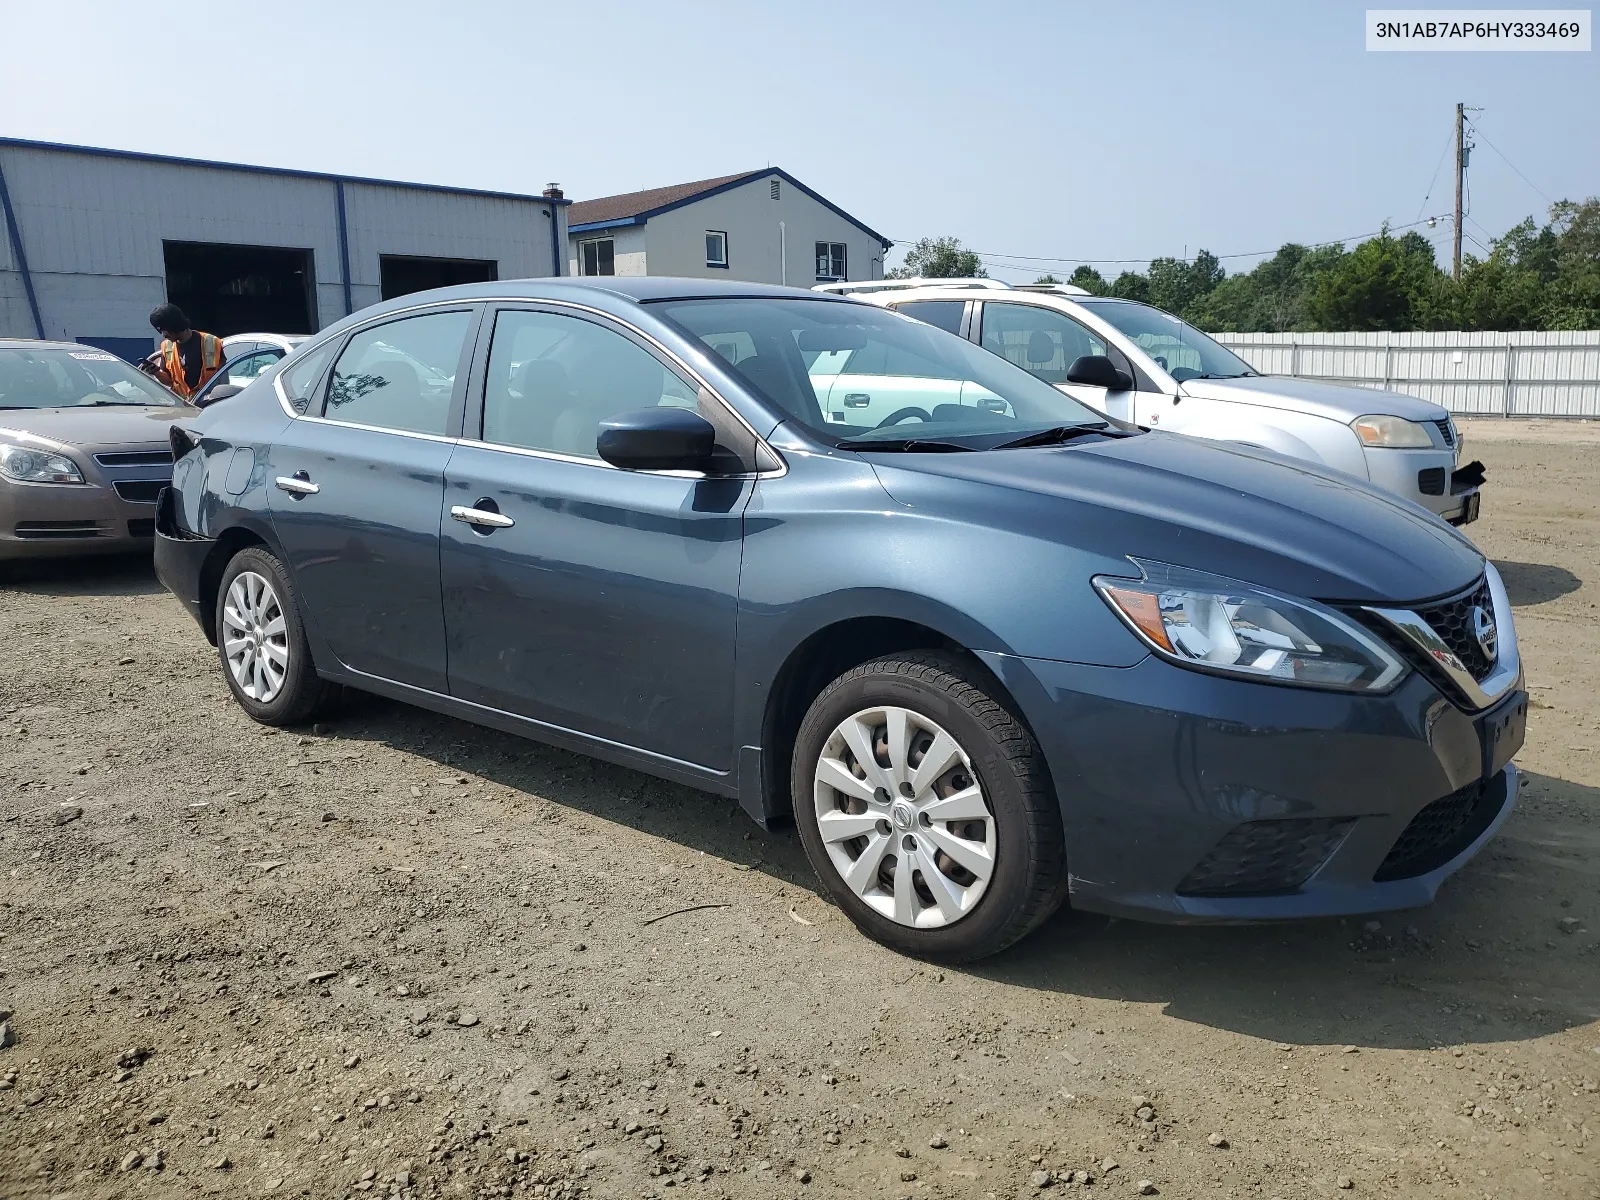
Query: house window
[[830, 261], [716, 248], [598, 257], [774, 189]]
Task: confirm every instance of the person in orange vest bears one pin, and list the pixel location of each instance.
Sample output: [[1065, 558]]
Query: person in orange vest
[[187, 357]]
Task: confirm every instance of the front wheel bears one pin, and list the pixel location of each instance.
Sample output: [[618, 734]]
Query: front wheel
[[262, 643], [925, 807]]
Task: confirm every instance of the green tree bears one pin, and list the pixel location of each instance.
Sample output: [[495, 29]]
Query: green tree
[[1046, 278], [1179, 286], [1384, 283], [939, 258], [1130, 285], [1090, 280], [1271, 298], [1574, 295]]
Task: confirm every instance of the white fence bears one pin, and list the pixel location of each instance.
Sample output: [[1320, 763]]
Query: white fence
[[1475, 374]]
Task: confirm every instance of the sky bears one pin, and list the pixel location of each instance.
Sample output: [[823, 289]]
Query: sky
[[1047, 130]]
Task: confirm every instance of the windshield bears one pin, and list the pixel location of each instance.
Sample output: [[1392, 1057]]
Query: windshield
[[854, 373], [51, 378], [1179, 349]]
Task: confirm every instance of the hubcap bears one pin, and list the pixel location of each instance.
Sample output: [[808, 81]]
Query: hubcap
[[903, 817], [255, 637]]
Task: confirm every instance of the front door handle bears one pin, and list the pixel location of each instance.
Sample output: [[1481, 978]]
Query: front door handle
[[297, 485], [481, 517]]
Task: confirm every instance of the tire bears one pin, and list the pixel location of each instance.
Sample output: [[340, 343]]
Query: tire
[[257, 606], [990, 806]]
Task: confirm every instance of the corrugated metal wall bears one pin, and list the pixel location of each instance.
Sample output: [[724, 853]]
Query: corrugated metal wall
[[1486, 374], [93, 224]]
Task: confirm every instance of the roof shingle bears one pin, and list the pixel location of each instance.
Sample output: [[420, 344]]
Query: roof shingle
[[631, 204]]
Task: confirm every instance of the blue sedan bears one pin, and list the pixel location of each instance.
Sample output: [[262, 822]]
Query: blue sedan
[[989, 652]]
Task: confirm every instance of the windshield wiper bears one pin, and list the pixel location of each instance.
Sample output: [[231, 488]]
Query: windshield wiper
[[1214, 375], [1052, 437], [907, 445]]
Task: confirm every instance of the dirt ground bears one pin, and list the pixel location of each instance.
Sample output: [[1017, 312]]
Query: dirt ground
[[401, 955]]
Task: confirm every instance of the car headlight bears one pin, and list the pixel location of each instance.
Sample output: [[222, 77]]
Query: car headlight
[[1210, 623], [1378, 430], [37, 466]]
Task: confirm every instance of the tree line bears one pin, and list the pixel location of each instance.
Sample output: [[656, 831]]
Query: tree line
[[1535, 277]]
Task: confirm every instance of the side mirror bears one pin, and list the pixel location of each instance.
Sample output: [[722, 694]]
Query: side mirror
[[1096, 370], [657, 439], [221, 392]]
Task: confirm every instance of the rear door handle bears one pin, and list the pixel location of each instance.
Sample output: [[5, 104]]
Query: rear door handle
[[857, 399], [481, 517], [298, 484]]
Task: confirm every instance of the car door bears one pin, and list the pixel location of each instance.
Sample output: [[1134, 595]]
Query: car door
[[359, 482], [577, 594], [1045, 343]]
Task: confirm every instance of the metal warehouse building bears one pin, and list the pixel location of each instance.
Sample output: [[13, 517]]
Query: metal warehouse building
[[95, 239]]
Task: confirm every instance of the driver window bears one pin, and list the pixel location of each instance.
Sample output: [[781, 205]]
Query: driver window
[[1041, 341], [553, 378]]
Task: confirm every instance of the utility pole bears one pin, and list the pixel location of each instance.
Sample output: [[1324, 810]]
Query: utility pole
[[1461, 172]]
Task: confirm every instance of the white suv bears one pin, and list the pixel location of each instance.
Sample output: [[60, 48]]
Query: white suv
[[1145, 366]]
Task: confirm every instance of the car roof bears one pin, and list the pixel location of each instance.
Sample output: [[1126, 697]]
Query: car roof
[[38, 344], [637, 288]]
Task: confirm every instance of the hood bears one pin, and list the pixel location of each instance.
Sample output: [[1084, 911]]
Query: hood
[[1245, 513], [1334, 400], [123, 425]]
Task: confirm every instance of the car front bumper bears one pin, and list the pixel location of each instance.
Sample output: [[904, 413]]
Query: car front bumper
[[1185, 795], [40, 520], [1428, 478]]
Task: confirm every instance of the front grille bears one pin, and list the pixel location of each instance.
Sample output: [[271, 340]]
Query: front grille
[[1265, 857], [1452, 621], [1442, 830], [135, 458], [1431, 481], [140, 491], [41, 530], [142, 527], [1447, 430]]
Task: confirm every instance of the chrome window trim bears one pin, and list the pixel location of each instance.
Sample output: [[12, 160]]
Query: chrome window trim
[[1508, 662], [579, 460], [411, 433], [663, 349]]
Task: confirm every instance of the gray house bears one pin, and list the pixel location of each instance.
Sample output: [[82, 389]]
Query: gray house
[[763, 226]]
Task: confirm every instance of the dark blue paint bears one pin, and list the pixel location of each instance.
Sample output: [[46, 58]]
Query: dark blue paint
[[14, 232], [646, 619], [609, 606], [365, 549]]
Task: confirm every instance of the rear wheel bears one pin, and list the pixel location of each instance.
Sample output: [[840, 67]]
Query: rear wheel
[[262, 643], [924, 806]]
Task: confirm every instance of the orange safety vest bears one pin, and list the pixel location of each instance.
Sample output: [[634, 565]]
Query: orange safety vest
[[210, 363]]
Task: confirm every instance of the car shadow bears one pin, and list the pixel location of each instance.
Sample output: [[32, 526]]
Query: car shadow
[[93, 575], [1536, 583], [1486, 962], [1455, 972]]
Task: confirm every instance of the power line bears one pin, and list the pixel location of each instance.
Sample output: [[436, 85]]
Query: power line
[[1511, 164], [1423, 206]]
